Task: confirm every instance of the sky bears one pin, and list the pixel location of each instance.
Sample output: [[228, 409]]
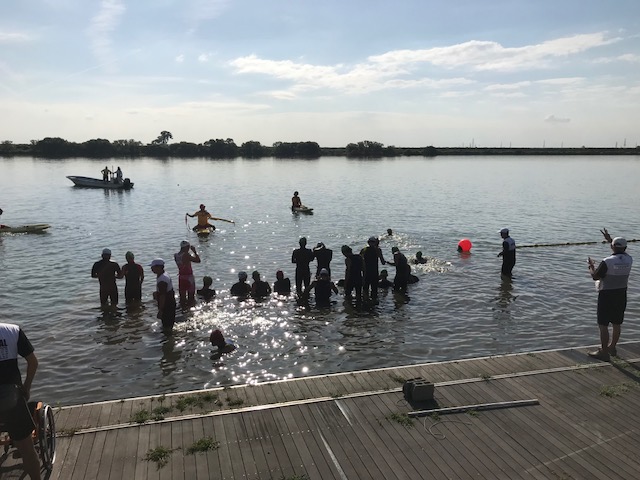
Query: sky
[[408, 73]]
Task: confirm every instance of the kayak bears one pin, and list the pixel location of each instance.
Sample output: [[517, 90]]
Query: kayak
[[99, 183], [35, 228], [302, 209]]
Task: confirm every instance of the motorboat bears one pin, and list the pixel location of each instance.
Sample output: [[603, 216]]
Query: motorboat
[[112, 184]]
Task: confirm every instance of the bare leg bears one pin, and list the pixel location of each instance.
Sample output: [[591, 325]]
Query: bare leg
[[615, 335], [30, 460], [604, 336]]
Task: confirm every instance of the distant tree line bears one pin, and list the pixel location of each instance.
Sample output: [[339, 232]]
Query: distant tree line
[[55, 147]]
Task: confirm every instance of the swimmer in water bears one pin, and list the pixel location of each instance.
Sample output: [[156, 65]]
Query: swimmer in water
[[217, 340]]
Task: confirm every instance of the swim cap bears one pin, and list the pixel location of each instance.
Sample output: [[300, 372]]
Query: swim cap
[[346, 249], [106, 251], [324, 271], [242, 275], [128, 255], [184, 243], [372, 239], [201, 206], [384, 273], [279, 274], [418, 254], [207, 280], [255, 274], [395, 249]]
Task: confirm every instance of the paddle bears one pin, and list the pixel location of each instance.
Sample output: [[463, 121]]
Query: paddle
[[223, 220]]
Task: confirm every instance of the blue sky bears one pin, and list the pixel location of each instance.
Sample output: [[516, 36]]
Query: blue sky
[[402, 72]]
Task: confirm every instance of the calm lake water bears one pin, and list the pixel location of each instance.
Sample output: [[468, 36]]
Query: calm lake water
[[460, 307]]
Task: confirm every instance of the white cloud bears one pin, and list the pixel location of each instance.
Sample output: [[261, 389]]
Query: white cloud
[[486, 55], [204, 57], [102, 26], [554, 119], [13, 37], [361, 78], [179, 58]]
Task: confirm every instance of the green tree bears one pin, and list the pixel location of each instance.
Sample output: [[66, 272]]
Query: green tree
[[163, 138], [252, 149]]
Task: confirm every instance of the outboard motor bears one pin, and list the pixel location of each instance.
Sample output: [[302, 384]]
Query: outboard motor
[[126, 183]]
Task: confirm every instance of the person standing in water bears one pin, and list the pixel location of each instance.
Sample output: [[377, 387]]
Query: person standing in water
[[370, 255], [323, 256], [508, 252], [107, 271], [302, 257], [186, 280], [133, 274], [282, 285], [403, 271], [164, 295]]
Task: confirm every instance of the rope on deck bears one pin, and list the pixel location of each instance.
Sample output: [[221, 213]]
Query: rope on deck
[[479, 406]]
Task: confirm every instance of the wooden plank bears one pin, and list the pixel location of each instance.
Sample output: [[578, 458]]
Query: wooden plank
[[188, 439], [272, 442], [223, 465], [256, 444], [141, 449], [97, 449], [299, 433], [166, 440]]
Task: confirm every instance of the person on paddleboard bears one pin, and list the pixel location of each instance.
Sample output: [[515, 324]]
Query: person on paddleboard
[[203, 219], [295, 201]]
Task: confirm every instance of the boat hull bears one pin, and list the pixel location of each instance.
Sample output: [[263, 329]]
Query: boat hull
[[35, 228], [88, 182]]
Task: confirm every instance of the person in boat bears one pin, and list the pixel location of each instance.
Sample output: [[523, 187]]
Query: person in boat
[[282, 285], [14, 394], [295, 201], [105, 174], [223, 345], [186, 281], [370, 256], [302, 257], [612, 278], [508, 253], [206, 292], [203, 219], [259, 289], [107, 271], [164, 295], [118, 175], [322, 287], [133, 274], [323, 256], [403, 270], [241, 288], [383, 281], [419, 258], [353, 273]]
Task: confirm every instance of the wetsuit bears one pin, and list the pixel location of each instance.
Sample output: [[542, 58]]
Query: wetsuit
[[282, 287], [302, 257], [403, 270], [370, 255], [260, 289], [508, 256], [168, 313], [323, 292], [323, 257], [105, 271], [353, 275], [133, 274]]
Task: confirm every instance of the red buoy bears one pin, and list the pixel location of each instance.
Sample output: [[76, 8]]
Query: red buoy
[[465, 245]]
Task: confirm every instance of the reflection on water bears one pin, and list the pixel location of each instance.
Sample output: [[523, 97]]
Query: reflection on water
[[459, 308]]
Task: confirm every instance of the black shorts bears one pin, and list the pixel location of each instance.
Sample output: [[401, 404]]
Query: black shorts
[[611, 306], [18, 421]]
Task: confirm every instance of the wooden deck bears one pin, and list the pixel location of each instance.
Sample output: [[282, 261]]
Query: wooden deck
[[355, 426]]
